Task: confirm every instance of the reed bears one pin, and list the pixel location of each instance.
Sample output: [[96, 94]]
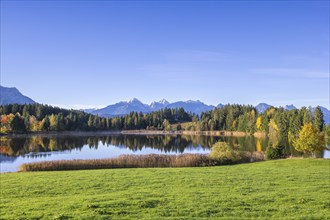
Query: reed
[[140, 161], [123, 161]]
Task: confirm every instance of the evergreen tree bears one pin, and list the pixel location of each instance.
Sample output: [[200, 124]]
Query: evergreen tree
[[17, 124], [318, 119], [45, 124]]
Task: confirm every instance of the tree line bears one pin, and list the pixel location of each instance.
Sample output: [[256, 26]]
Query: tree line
[[298, 127], [17, 118]]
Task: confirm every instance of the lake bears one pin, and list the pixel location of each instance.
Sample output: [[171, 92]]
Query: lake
[[18, 150]]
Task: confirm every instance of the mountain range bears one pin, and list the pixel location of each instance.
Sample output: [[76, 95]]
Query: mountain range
[[262, 107], [197, 107], [122, 108], [13, 95]]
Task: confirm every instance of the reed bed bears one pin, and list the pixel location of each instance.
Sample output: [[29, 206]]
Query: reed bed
[[138, 161], [123, 161]]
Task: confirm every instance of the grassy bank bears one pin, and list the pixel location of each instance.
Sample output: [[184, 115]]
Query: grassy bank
[[283, 189]]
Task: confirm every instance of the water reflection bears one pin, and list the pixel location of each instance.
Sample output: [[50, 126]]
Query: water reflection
[[163, 143], [18, 150]]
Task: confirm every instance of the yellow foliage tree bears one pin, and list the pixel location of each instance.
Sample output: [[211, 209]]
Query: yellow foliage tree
[[234, 124], [270, 111], [34, 123], [52, 122], [259, 145], [166, 125], [273, 132], [259, 123], [309, 140]]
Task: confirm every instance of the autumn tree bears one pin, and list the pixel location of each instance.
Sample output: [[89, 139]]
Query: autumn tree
[[166, 125], [52, 122], [259, 123], [309, 140], [6, 122]]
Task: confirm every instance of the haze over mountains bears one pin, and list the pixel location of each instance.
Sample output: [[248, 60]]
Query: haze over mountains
[[13, 95]]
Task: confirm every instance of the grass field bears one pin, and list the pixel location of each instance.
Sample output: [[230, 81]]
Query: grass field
[[282, 189]]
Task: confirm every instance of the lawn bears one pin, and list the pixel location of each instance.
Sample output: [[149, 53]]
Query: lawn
[[282, 189]]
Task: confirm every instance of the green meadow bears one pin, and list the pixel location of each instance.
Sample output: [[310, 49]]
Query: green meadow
[[280, 189]]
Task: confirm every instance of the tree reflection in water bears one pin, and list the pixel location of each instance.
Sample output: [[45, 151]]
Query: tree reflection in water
[[164, 143]]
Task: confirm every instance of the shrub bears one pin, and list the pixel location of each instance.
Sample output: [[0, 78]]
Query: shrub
[[224, 154], [276, 152]]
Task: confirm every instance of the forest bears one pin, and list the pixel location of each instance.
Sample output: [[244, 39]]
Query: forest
[[280, 125], [43, 118]]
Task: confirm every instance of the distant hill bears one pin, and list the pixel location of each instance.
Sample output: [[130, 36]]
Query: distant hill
[[88, 110], [122, 108], [289, 107], [262, 107], [196, 107], [13, 96]]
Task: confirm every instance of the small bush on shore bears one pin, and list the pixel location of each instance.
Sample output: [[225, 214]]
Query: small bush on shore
[[224, 154]]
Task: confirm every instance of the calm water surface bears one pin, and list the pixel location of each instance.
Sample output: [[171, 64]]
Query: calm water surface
[[15, 151]]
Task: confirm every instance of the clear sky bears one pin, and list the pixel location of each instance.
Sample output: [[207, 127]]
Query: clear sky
[[95, 53]]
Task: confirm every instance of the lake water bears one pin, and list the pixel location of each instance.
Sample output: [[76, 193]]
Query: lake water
[[18, 150]]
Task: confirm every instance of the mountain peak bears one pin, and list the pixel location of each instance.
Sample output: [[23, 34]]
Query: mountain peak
[[262, 107], [164, 102], [159, 105], [290, 107], [192, 101], [134, 100]]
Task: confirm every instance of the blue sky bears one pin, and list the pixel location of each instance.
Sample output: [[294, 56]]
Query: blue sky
[[94, 53]]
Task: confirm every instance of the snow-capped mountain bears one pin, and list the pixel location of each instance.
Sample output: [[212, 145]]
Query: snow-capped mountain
[[159, 105], [122, 108], [196, 107]]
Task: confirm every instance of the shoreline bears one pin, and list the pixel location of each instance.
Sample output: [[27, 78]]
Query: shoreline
[[137, 132]]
